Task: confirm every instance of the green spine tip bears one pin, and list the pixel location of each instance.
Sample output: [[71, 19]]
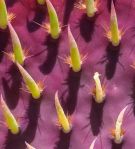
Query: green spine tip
[[41, 2], [29, 146], [99, 92], [54, 22], [17, 48], [90, 8], [62, 118], [3, 15], [74, 52], [11, 122], [114, 29], [93, 144], [31, 85]]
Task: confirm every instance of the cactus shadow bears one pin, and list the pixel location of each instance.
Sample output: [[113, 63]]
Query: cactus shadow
[[112, 58], [116, 146], [69, 6], [12, 92], [52, 52], [14, 141], [18, 141], [33, 116], [10, 3], [133, 96], [87, 26], [40, 16], [73, 82], [96, 116], [4, 37], [64, 140]]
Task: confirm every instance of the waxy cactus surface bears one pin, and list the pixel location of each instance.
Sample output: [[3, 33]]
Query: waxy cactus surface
[[70, 80]]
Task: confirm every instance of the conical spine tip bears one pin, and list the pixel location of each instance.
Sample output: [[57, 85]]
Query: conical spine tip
[[55, 28], [118, 135], [99, 92]]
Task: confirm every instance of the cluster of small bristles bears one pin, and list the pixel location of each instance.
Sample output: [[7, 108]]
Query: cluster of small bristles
[[75, 59]]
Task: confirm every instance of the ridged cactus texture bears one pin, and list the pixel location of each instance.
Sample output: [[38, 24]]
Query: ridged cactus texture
[[75, 86]]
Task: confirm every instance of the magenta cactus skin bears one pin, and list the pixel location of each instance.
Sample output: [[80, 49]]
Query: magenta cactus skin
[[90, 120]]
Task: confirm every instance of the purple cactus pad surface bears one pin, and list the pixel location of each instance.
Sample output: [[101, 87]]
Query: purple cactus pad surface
[[38, 118]]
